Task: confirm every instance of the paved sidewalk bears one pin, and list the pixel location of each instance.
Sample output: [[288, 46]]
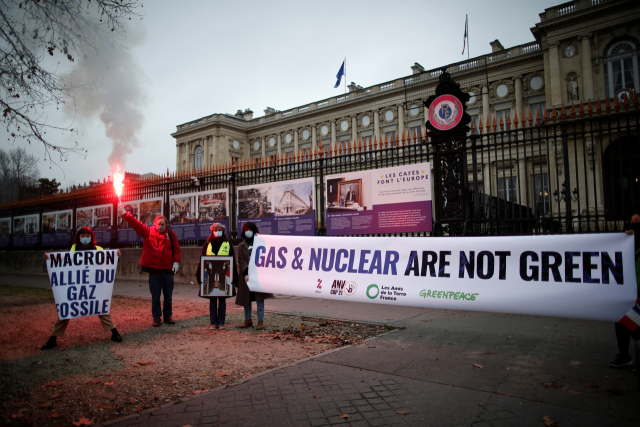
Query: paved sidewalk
[[526, 368], [442, 368]]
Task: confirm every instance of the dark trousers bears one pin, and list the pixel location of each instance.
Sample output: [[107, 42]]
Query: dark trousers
[[623, 336], [217, 314], [157, 284]]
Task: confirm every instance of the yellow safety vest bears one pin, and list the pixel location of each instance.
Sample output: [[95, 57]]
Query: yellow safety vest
[[73, 248], [224, 249]]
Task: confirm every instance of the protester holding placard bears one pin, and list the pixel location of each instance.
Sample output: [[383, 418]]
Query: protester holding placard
[[217, 244], [245, 296], [85, 240], [623, 335], [161, 259]]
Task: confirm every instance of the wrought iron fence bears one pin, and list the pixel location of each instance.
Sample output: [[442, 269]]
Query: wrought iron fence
[[572, 171], [566, 172]]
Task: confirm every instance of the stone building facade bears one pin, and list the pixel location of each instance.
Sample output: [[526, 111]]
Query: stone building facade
[[582, 50], [585, 49]]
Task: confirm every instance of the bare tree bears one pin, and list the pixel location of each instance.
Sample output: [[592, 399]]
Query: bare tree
[[18, 174], [31, 31]]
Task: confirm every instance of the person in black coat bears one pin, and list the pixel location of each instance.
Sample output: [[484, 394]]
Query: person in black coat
[[245, 295]]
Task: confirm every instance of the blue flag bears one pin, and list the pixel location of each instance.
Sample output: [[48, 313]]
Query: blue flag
[[339, 75]]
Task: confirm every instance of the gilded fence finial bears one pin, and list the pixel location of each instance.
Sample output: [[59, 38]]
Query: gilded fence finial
[[515, 120], [607, 106], [563, 114]]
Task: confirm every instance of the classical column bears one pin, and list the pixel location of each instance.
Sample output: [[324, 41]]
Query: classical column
[[279, 143], [376, 125], [587, 71], [518, 81], [354, 128], [485, 104], [262, 148], [400, 122], [216, 150], [205, 151], [295, 141], [522, 196], [314, 138], [554, 70], [333, 134]]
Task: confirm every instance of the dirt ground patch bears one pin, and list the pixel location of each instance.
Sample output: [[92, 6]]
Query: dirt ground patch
[[90, 377]]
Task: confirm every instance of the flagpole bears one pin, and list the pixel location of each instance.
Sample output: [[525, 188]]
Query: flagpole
[[468, 44], [345, 75]]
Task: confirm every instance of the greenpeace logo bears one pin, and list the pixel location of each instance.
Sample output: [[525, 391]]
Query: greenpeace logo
[[342, 287]]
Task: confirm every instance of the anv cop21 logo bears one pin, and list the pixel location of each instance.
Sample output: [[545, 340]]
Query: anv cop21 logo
[[342, 287], [445, 112]]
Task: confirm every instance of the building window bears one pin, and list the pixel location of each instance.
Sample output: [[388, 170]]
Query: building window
[[345, 145], [621, 67], [504, 115], [414, 135], [538, 107], [508, 189], [391, 137], [475, 120], [198, 157], [184, 148], [541, 196]]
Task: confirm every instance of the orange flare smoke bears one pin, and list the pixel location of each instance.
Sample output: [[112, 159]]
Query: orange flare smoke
[[117, 183]]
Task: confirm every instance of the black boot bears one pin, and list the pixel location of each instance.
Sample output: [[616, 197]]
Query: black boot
[[115, 336], [49, 344]]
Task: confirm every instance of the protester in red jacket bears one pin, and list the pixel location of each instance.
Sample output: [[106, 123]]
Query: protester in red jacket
[[161, 259]]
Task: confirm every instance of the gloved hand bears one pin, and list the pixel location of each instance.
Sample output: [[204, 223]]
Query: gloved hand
[[175, 268]]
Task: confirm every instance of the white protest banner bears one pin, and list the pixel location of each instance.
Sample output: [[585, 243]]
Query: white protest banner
[[82, 282], [588, 276]]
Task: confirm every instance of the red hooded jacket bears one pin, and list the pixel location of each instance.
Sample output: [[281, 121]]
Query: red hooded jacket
[[156, 246]]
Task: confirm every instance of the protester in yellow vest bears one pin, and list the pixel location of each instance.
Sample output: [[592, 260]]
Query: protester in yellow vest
[[85, 241], [217, 244]]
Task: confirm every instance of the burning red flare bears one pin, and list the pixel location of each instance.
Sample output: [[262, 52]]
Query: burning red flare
[[117, 183]]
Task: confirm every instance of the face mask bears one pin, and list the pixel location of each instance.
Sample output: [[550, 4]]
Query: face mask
[[161, 228], [85, 240], [249, 234], [217, 233]]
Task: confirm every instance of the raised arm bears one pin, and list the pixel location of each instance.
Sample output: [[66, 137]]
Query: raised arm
[[138, 227]]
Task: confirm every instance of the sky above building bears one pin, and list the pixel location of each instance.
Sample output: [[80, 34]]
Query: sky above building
[[190, 59]]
